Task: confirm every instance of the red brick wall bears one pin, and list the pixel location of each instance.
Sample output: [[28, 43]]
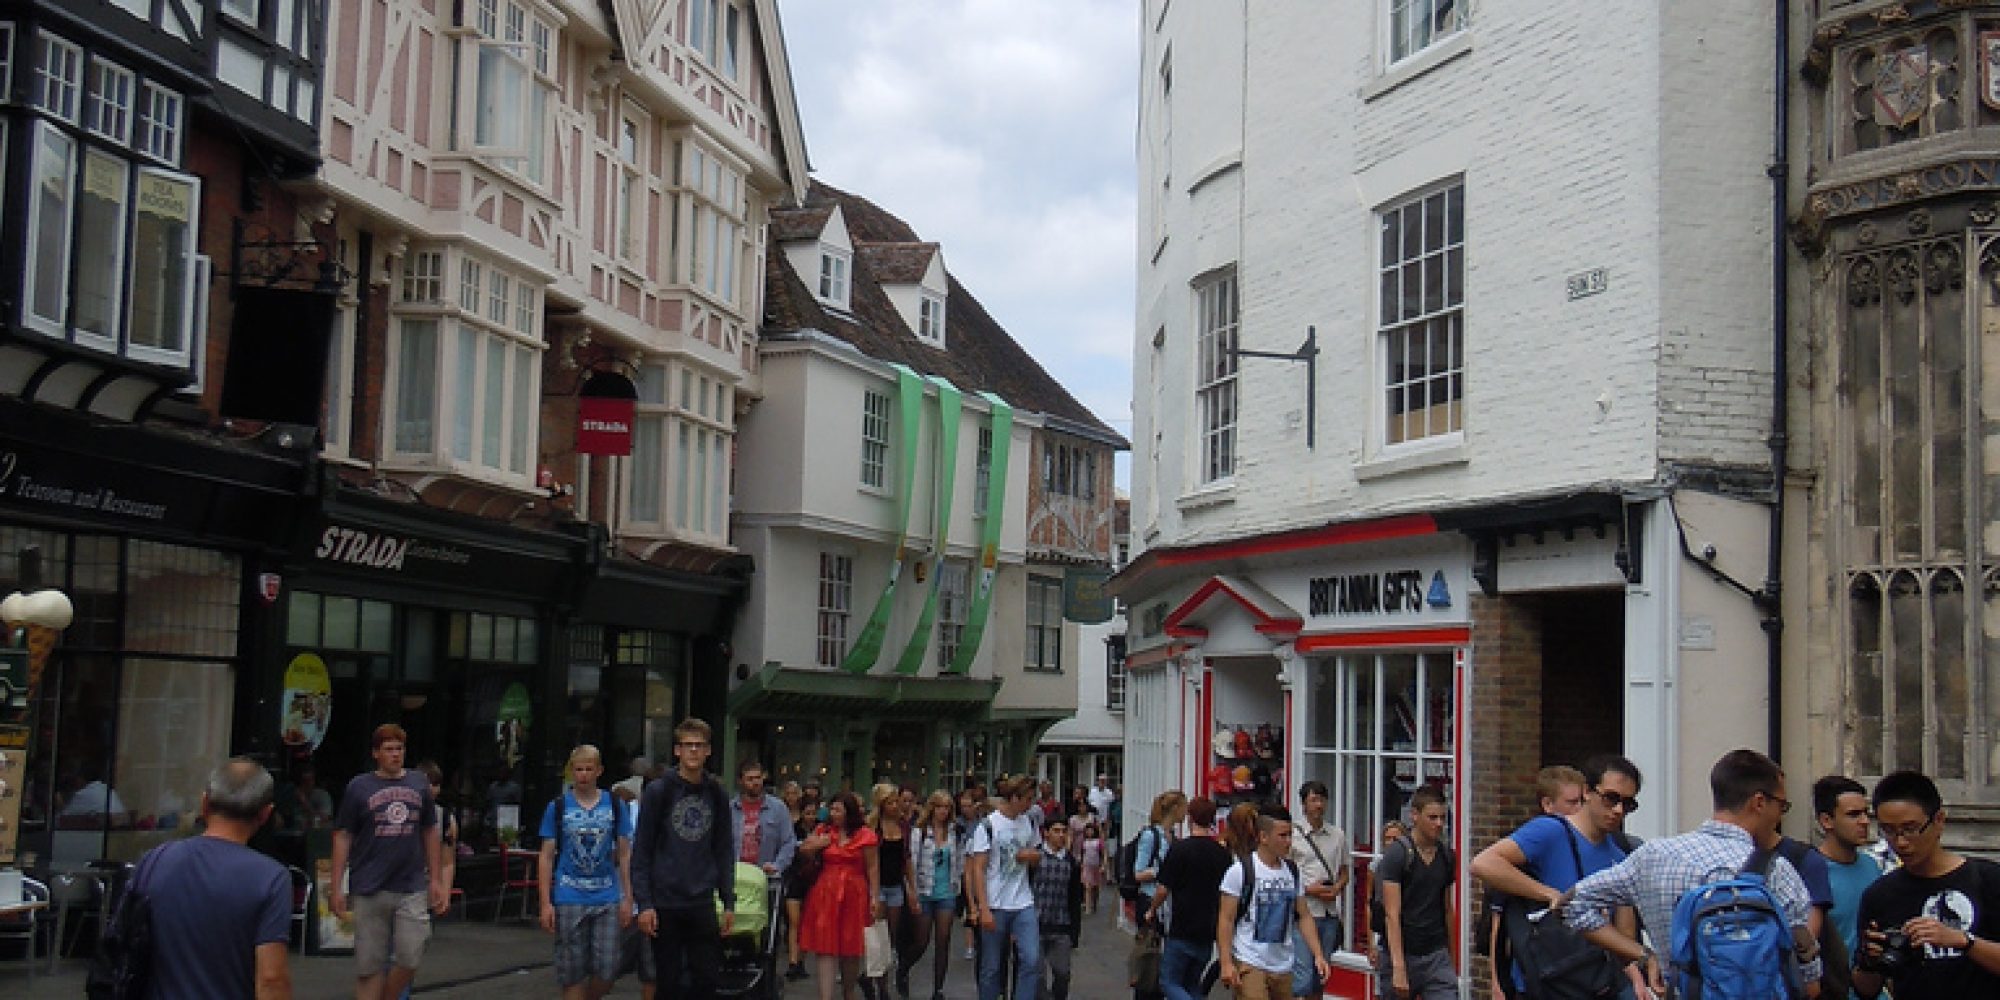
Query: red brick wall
[[1504, 727]]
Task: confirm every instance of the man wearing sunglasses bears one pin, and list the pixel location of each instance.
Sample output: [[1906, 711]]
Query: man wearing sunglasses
[[1944, 907], [1748, 791], [1547, 855]]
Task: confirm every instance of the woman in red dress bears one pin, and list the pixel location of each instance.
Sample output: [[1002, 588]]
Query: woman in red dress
[[846, 898]]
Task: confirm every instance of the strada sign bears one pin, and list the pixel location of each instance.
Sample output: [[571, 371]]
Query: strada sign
[[607, 405], [380, 550]]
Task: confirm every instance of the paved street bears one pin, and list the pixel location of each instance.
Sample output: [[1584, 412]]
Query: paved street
[[510, 961]]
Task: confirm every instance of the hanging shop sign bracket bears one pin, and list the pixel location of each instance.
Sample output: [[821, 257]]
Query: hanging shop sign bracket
[[1308, 352]]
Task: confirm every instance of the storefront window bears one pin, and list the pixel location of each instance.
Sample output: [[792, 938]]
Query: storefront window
[[1378, 727]]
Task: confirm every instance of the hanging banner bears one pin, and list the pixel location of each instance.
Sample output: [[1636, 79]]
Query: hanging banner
[[1001, 421], [944, 472], [909, 410], [606, 408]]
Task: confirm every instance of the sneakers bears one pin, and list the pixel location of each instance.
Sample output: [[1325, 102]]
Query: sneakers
[[969, 953], [795, 972], [903, 983]]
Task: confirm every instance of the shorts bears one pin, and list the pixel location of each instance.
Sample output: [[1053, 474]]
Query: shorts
[[892, 897], [1256, 984], [932, 907], [587, 942], [386, 919]]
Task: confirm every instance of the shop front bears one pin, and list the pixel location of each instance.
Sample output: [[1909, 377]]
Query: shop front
[[852, 732], [1347, 664], [157, 541], [447, 627]]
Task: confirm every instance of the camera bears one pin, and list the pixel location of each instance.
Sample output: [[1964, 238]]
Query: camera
[[1898, 955]]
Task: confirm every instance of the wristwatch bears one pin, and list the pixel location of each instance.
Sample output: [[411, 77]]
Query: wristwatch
[[1645, 954]]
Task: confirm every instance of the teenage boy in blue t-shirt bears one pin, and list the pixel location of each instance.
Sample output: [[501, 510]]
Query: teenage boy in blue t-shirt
[[587, 845], [1535, 862]]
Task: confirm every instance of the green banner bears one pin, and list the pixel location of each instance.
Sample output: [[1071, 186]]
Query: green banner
[[909, 411], [944, 473], [1001, 420]]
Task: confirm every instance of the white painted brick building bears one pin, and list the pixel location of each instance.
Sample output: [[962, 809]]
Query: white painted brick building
[[1593, 412]]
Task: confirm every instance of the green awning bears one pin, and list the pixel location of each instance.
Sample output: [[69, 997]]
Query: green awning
[[782, 692]]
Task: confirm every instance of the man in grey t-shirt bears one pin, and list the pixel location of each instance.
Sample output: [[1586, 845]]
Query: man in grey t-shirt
[[387, 827]]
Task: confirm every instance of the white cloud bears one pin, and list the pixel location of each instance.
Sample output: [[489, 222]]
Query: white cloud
[[1003, 130]]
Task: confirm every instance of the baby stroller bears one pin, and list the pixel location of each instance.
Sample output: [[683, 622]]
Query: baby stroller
[[750, 951]]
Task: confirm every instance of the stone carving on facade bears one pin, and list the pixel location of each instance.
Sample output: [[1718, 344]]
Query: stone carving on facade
[[1944, 266], [1918, 222], [1864, 282], [1901, 274]]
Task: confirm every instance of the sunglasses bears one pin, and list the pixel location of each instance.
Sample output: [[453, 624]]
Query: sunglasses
[[1613, 800]]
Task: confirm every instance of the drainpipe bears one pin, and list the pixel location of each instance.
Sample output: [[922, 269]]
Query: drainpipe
[[1780, 172]]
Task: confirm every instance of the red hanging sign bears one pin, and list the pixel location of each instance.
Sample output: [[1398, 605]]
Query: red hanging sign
[[604, 425]]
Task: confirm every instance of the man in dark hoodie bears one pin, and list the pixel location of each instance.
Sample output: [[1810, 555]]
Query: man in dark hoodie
[[683, 856]]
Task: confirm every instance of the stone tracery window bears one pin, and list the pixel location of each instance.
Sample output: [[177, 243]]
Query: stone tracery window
[[1920, 545]]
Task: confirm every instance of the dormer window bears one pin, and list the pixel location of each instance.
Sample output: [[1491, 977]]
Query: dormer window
[[930, 319], [833, 286]]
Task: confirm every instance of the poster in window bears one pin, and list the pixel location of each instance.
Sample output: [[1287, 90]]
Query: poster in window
[[307, 703]]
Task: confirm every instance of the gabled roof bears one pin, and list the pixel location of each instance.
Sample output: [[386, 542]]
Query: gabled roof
[[981, 354], [789, 224], [897, 263]]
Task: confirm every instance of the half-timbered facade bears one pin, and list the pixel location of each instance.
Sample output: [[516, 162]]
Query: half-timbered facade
[[147, 238], [555, 214]]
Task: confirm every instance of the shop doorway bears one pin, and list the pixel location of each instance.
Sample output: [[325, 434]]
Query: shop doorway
[[1583, 675]]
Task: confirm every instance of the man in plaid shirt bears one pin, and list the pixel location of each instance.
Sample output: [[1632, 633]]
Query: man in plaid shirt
[[1749, 795], [1058, 886]]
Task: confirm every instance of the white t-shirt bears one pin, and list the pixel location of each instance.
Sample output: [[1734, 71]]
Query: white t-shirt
[[1264, 937], [1006, 877], [1100, 800]]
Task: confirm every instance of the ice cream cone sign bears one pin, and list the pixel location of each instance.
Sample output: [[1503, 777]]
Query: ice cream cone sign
[[38, 617]]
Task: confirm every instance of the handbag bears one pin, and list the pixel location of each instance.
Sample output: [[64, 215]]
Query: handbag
[[1556, 962], [1143, 967], [881, 955], [122, 965]]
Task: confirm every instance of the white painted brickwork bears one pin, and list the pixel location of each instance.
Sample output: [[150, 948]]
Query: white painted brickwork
[[1629, 137]]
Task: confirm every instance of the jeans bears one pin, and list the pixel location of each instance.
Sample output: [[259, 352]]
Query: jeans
[[1026, 930], [1055, 965], [1305, 978], [1181, 966], [689, 941]]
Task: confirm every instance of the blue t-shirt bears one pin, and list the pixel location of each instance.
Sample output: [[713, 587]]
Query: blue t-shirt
[[1545, 841], [214, 902], [587, 856], [1847, 882], [941, 887]]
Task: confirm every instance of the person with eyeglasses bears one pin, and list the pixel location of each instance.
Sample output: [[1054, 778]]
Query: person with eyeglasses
[[683, 857], [1930, 928], [1748, 792], [1547, 855]]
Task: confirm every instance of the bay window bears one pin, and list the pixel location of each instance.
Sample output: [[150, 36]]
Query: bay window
[[715, 191], [109, 248], [507, 85], [466, 366], [678, 474]]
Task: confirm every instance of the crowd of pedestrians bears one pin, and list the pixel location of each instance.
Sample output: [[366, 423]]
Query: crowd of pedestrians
[[642, 875]]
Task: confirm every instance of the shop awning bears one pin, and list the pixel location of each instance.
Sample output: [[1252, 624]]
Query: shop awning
[[783, 692]]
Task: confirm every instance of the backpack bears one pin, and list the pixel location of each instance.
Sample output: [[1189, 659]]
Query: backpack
[[1377, 917], [1129, 888], [1731, 940], [121, 967], [1556, 962], [1250, 884]]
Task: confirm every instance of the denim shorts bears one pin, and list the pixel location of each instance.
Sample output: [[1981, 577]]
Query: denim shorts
[[932, 907], [892, 896]]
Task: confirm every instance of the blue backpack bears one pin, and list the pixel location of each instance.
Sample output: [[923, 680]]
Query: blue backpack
[[1731, 940]]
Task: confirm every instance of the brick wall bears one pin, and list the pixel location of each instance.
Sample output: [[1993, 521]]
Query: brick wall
[[1505, 724]]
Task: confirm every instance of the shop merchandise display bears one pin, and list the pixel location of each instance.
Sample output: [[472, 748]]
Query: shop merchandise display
[[1248, 762]]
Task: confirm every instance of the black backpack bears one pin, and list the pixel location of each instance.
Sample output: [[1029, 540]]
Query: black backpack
[[122, 966], [1556, 962], [1836, 966], [1129, 888]]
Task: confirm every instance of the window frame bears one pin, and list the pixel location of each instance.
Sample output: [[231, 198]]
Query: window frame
[[877, 412], [714, 190], [94, 102], [69, 95], [954, 602], [1450, 257], [1393, 55], [930, 318], [534, 56], [152, 134], [834, 609], [628, 163], [58, 325], [1042, 651], [835, 270], [1218, 334]]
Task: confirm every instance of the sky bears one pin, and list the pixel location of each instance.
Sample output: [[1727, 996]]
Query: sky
[[1003, 130]]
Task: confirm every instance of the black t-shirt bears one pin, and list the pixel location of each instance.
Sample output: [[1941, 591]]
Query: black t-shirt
[[1192, 870], [1967, 898], [1424, 887]]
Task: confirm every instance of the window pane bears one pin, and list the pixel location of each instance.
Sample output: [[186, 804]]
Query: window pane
[[162, 263], [648, 440], [100, 238], [55, 170], [465, 392], [173, 725], [416, 386], [494, 415], [302, 620], [375, 626], [343, 623], [526, 409]]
